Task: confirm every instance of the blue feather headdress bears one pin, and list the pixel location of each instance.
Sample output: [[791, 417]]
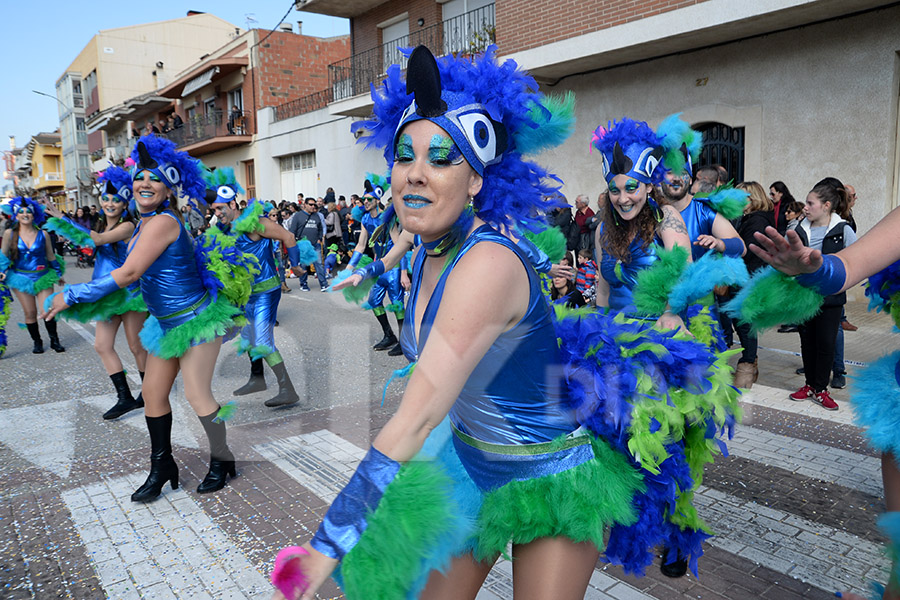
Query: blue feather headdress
[[19, 202], [117, 182], [682, 144], [181, 173], [376, 186], [494, 114], [630, 148], [224, 185]]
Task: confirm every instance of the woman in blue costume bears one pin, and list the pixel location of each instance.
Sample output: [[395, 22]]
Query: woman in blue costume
[[124, 307], [875, 392], [257, 236], [29, 266], [190, 310]]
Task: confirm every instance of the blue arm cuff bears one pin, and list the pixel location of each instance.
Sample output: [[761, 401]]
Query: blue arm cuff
[[294, 255], [827, 279], [54, 264], [733, 247], [371, 271], [345, 521], [72, 222], [90, 291], [354, 260]]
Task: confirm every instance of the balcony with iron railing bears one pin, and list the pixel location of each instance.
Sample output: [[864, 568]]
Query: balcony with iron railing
[[303, 105], [217, 130], [468, 33]]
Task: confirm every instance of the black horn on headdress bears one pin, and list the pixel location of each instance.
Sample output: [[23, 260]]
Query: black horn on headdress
[[620, 163], [423, 79], [146, 161]]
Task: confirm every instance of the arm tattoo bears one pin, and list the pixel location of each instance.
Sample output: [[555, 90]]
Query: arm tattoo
[[670, 221]]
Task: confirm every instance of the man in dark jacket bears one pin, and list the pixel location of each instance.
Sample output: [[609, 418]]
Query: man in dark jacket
[[306, 224]]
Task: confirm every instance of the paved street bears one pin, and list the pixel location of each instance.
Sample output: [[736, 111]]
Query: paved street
[[794, 505]]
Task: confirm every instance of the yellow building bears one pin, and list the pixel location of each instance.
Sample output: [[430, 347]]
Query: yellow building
[[43, 163]]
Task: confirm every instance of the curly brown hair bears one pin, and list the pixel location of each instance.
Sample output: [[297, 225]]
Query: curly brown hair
[[617, 234]]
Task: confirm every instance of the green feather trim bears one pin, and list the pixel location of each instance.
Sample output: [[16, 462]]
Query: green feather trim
[[772, 298], [237, 279], [215, 321], [226, 412], [550, 241], [578, 504], [248, 222], [47, 280], [358, 294], [727, 201], [65, 229], [702, 326], [117, 303], [655, 283], [396, 307], [255, 352], [415, 511]]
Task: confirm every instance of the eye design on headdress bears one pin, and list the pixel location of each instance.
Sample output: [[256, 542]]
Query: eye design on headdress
[[479, 130], [124, 192], [647, 161], [172, 174], [225, 193]]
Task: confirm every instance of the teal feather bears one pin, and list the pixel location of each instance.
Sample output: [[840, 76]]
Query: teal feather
[[226, 412], [726, 200], [700, 277], [552, 122]]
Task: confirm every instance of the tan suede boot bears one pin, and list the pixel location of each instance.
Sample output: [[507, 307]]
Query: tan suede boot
[[745, 375]]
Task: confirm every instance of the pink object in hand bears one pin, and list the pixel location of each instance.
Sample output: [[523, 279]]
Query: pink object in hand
[[288, 577]]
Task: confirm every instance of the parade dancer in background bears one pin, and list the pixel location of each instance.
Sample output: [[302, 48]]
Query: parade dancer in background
[[124, 307], [191, 308], [257, 236], [29, 266]]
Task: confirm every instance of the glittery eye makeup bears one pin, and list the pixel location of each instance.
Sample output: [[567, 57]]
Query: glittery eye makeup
[[632, 185], [443, 151], [613, 188], [404, 152]]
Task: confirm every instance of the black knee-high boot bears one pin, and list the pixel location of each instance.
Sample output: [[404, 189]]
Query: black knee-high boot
[[35, 334], [54, 338], [388, 340], [162, 465], [286, 394], [257, 381], [397, 350], [125, 401], [140, 396], [221, 460]]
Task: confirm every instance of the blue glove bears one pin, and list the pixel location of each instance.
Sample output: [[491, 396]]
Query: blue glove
[[90, 291], [354, 260], [372, 270], [345, 521], [827, 279], [293, 255]]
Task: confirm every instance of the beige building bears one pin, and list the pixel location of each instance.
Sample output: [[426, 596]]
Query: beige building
[[119, 64]]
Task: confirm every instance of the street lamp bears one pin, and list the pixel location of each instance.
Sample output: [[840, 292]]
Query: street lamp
[[81, 184], [51, 96]]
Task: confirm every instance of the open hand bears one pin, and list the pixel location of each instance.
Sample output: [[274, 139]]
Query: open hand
[[559, 270], [353, 280], [58, 304], [711, 242], [316, 567], [787, 254]]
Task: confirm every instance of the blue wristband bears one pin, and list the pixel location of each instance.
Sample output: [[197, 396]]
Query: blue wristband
[[54, 264], [354, 260], [828, 279], [371, 271], [345, 521], [293, 255], [733, 247], [90, 291]]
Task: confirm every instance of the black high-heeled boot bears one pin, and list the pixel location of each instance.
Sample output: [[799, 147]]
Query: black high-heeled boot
[[54, 338], [162, 465], [286, 394], [125, 402], [140, 396], [35, 334], [221, 460], [257, 381]]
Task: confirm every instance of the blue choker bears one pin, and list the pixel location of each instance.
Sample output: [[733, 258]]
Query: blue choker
[[156, 211], [454, 237]]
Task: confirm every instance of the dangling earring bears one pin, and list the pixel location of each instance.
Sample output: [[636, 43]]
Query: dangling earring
[[615, 216]]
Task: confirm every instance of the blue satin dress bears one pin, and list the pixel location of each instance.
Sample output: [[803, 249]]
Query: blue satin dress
[[258, 336], [512, 400], [698, 218], [171, 286], [30, 265], [622, 277]]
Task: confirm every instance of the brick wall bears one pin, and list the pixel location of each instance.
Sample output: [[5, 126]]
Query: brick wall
[[367, 35], [525, 24], [292, 66]]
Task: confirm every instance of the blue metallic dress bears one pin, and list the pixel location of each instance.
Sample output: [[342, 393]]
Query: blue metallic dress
[[622, 277], [30, 272], [258, 336], [388, 283], [698, 218], [184, 313]]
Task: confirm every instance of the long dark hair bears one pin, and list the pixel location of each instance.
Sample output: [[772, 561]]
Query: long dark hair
[[828, 192], [617, 233], [556, 294], [786, 196]]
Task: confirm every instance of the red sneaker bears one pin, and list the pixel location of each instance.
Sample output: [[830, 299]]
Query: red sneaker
[[824, 400], [802, 394]]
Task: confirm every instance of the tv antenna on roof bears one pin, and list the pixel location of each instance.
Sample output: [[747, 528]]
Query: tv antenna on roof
[[250, 19]]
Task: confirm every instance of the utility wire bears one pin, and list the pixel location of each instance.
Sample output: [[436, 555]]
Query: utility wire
[[276, 25]]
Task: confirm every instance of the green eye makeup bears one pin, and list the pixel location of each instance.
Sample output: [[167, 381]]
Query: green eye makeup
[[443, 151], [632, 185], [404, 149]]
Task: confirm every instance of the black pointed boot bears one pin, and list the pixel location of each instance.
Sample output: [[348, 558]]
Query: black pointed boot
[[35, 334], [389, 339], [54, 338], [221, 460], [257, 381], [125, 402], [286, 394], [162, 465]]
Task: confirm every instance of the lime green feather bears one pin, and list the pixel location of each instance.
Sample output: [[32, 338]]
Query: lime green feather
[[550, 241], [359, 293], [118, 303], [248, 222], [70, 232], [654, 284]]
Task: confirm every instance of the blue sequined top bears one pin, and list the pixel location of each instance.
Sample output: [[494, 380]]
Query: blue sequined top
[[512, 396], [698, 218], [622, 277], [171, 286], [33, 259]]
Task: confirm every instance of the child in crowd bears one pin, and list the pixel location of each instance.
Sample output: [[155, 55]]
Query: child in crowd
[[587, 273]]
